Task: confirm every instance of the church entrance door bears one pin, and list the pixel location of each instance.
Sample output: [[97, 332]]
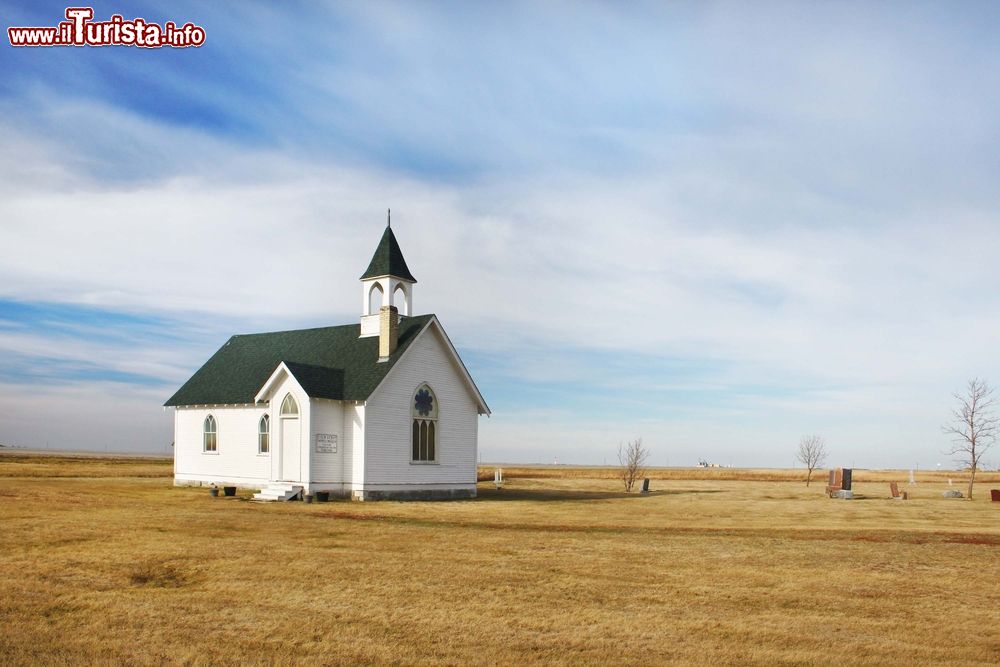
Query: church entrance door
[[291, 450]]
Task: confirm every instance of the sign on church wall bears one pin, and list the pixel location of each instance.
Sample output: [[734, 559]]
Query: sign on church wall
[[326, 443]]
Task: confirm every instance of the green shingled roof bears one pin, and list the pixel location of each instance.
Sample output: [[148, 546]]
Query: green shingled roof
[[388, 260], [331, 362]]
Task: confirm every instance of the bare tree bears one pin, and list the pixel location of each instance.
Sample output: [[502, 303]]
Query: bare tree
[[632, 458], [973, 426], [812, 454]]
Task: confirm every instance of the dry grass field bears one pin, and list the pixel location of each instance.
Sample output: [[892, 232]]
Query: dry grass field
[[103, 561]]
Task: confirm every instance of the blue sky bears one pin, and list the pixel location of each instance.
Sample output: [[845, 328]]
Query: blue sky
[[712, 225]]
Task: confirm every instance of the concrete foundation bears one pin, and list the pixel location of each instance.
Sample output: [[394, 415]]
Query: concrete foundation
[[416, 494]]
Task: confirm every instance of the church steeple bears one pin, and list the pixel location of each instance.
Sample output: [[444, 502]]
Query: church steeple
[[387, 283], [388, 260]]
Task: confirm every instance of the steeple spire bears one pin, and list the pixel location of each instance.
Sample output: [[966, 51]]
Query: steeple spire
[[387, 284], [388, 259]]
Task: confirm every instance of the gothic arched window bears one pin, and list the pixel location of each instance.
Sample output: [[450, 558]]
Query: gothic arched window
[[400, 301], [374, 299], [289, 408], [211, 439], [424, 409], [264, 435]]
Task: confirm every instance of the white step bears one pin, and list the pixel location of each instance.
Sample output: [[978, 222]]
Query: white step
[[278, 492]]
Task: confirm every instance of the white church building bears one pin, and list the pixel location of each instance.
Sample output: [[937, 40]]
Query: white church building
[[383, 408]]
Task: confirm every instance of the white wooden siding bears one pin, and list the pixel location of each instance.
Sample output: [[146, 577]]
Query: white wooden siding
[[354, 444], [388, 450], [236, 458], [327, 417]]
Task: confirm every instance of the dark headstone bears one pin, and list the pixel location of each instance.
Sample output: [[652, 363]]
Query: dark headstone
[[894, 488], [645, 485], [995, 495], [846, 485]]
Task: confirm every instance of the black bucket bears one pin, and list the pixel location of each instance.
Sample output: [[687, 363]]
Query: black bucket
[[229, 490], [322, 496]]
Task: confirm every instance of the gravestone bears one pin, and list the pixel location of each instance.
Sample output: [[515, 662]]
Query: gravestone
[[645, 485], [831, 483], [894, 488], [839, 485], [913, 480], [995, 495]]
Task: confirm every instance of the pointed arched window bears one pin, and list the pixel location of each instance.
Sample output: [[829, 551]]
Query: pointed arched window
[[264, 435], [424, 410], [210, 443], [374, 299], [400, 300], [289, 408]]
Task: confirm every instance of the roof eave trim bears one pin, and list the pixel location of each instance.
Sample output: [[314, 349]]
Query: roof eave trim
[[484, 409], [401, 279]]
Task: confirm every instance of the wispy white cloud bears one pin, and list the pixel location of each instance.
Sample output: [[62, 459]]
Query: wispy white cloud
[[797, 203]]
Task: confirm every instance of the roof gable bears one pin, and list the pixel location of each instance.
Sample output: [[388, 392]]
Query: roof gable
[[459, 365], [329, 362], [315, 381], [388, 260]]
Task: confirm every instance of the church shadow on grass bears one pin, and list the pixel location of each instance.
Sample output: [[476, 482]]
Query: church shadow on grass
[[566, 495]]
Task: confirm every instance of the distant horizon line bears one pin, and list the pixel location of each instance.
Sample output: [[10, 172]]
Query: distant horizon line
[[98, 453]]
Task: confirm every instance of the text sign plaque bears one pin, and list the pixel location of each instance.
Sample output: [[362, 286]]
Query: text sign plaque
[[326, 443]]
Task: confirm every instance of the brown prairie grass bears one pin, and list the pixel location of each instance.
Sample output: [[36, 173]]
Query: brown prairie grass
[[104, 568], [156, 572], [19, 464]]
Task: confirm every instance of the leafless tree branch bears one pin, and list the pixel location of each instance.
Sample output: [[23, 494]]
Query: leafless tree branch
[[973, 426], [811, 453], [632, 458]]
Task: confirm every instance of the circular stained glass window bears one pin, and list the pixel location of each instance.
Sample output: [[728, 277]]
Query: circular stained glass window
[[423, 402]]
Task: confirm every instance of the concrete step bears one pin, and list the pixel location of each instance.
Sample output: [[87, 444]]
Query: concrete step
[[278, 492]]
